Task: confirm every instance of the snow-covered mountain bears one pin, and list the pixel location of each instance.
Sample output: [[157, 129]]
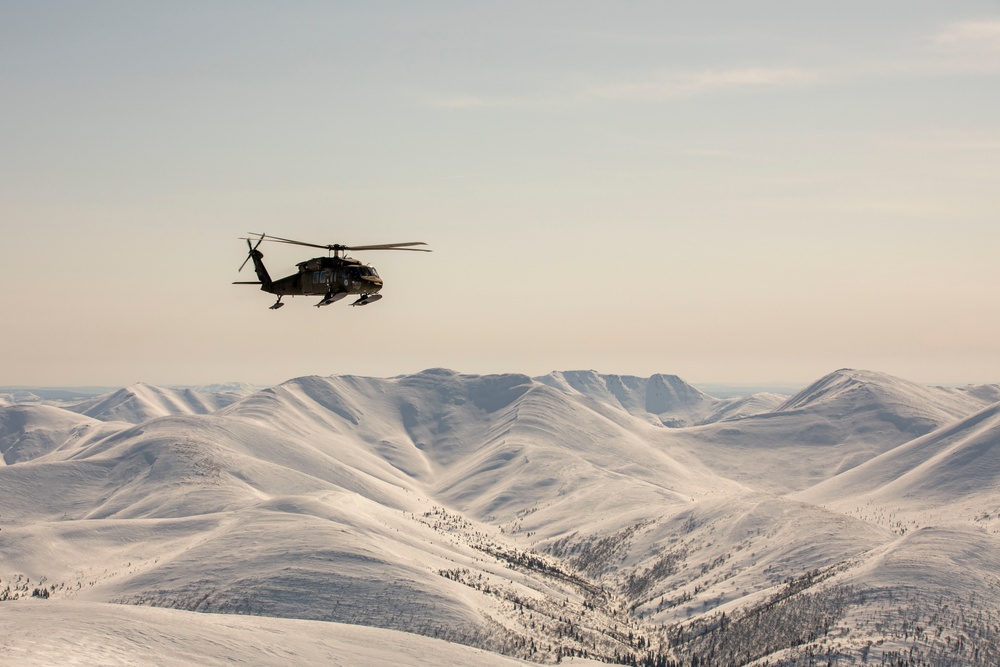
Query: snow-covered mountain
[[141, 402], [661, 399], [831, 426], [536, 518], [909, 407]]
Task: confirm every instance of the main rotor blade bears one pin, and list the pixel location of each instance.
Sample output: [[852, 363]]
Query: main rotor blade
[[339, 247], [311, 245], [390, 246]]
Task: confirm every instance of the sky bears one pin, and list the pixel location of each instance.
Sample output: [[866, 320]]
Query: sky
[[726, 191]]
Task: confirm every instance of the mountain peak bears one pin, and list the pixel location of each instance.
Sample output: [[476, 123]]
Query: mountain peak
[[913, 408], [666, 391], [845, 381]]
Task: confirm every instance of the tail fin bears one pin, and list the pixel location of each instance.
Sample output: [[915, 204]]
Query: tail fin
[[259, 269]]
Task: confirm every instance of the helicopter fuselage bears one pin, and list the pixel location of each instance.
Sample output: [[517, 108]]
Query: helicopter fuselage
[[328, 276]]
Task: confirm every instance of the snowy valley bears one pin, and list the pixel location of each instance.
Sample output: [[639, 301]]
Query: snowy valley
[[457, 519]]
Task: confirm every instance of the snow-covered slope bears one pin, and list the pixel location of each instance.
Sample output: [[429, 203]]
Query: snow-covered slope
[[955, 468], [540, 518], [30, 431]]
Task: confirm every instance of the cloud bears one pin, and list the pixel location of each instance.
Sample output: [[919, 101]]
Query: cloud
[[967, 47], [462, 102], [676, 85], [689, 84], [962, 47], [479, 102], [971, 37]]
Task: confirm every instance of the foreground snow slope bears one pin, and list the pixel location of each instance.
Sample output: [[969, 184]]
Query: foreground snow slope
[[540, 518], [83, 633]]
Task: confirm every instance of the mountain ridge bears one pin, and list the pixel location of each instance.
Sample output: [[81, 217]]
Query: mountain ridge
[[539, 518]]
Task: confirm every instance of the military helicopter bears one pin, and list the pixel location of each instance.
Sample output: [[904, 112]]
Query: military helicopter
[[333, 277]]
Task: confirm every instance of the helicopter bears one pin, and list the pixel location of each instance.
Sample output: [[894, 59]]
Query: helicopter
[[333, 277]]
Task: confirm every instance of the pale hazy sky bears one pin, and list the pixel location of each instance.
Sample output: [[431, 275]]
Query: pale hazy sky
[[728, 191]]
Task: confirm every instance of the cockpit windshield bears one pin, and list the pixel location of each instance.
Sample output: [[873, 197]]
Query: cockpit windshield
[[368, 271]]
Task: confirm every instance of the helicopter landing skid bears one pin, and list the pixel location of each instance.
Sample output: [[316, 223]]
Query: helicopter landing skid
[[366, 299], [331, 298]]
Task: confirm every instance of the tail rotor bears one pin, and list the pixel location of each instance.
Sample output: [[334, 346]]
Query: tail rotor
[[253, 249]]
